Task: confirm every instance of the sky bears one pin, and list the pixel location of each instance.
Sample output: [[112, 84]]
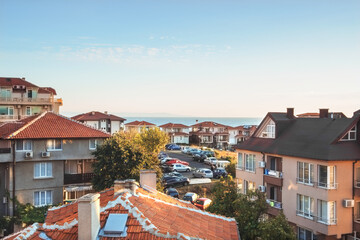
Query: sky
[[187, 58]]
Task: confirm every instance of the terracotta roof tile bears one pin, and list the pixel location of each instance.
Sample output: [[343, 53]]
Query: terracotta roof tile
[[4, 81], [173, 125], [95, 116], [209, 124], [139, 123]]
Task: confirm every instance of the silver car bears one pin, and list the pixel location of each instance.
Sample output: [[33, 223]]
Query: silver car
[[203, 173]]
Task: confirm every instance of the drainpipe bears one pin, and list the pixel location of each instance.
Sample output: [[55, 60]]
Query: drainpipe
[[353, 194], [13, 176], [263, 158]]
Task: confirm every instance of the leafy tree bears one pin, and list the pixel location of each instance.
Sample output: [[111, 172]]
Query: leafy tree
[[153, 139], [123, 156], [277, 229], [231, 169], [30, 214]]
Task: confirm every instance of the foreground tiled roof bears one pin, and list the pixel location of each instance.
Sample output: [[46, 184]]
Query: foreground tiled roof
[[174, 125], [48, 125], [152, 215], [95, 116], [139, 123]]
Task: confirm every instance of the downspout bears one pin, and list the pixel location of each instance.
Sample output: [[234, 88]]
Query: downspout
[[263, 158], [13, 176], [353, 194]]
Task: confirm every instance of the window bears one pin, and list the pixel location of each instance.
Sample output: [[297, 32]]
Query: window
[[305, 173], [273, 163], [351, 135], [305, 206], [269, 131], [54, 145], [28, 111], [42, 198], [327, 177], [92, 144], [43, 170], [304, 234], [7, 111], [23, 145], [250, 162], [240, 163], [240, 185], [326, 212]]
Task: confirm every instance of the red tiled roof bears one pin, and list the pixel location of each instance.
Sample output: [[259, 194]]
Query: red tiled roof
[[47, 90], [94, 116], [159, 216], [48, 125], [174, 125], [139, 123], [9, 82], [209, 124]]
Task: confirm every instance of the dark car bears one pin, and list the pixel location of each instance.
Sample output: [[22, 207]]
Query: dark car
[[190, 196], [174, 147], [209, 153], [200, 157], [167, 168], [220, 172], [172, 192], [176, 181], [175, 174]]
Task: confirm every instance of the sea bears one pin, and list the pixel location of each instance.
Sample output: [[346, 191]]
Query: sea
[[230, 121]]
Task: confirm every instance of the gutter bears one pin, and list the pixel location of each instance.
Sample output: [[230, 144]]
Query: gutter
[[353, 194], [13, 176]]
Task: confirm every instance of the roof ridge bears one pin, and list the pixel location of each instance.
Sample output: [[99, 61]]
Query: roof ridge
[[25, 233], [27, 125]]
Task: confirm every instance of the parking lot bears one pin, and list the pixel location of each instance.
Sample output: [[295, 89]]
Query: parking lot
[[188, 158]]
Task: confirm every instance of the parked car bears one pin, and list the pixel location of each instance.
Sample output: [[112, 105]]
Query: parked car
[[209, 153], [190, 196], [162, 155], [200, 157], [176, 181], [174, 174], [172, 161], [166, 159], [173, 147], [210, 161], [172, 192], [202, 203], [167, 168], [193, 151], [184, 149], [181, 167], [220, 172], [203, 173]]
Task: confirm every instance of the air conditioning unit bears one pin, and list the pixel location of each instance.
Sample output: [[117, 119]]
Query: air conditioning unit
[[348, 203], [45, 154], [262, 164], [28, 154], [262, 188]]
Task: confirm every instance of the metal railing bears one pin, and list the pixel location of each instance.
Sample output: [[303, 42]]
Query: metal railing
[[309, 215], [327, 221], [327, 185], [20, 100], [274, 204], [305, 181], [78, 178], [273, 173]]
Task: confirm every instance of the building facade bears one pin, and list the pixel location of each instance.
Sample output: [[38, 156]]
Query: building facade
[[178, 133], [20, 99], [103, 121], [46, 159], [308, 168], [137, 126]]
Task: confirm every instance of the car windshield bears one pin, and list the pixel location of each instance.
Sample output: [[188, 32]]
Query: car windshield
[[201, 202]]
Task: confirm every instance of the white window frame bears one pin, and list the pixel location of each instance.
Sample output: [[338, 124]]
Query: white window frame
[[26, 111], [347, 136], [240, 162], [96, 143], [304, 230], [310, 179], [46, 194], [23, 145], [53, 144], [331, 177], [330, 210], [43, 165], [305, 206], [250, 162]]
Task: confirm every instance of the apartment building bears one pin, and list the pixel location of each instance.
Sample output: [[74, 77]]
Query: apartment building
[[240, 133], [179, 133], [103, 121], [137, 126], [46, 159], [20, 98], [210, 134], [308, 168]]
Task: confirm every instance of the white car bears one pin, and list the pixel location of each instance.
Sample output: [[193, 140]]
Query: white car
[[181, 168], [203, 173], [211, 161], [185, 149]]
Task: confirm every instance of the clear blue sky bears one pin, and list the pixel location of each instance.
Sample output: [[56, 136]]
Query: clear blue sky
[[194, 58]]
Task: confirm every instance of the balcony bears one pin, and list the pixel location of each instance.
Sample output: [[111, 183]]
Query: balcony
[[357, 223], [78, 178], [29, 101], [275, 207], [273, 177]]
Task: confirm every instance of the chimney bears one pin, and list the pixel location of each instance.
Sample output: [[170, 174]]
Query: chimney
[[88, 216], [93, 113], [148, 179], [290, 113], [129, 184], [324, 113], [106, 112]]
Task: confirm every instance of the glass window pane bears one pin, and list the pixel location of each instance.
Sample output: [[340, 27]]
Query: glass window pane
[[19, 145], [58, 144], [48, 197], [27, 145], [36, 199], [42, 198], [322, 175], [37, 170], [49, 170]]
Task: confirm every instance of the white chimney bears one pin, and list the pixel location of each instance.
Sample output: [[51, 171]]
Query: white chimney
[[89, 216], [129, 184], [148, 179]]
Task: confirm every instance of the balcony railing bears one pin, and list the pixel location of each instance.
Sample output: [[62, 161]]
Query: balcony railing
[[327, 185], [327, 221], [13, 100], [274, 203], [78, 178], [273, 173]]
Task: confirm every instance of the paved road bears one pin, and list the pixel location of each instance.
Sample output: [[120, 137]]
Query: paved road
[[189, 159]]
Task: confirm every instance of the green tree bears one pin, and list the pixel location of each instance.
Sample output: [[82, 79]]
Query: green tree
[[277, 228], [153, 140], [122, 157]]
